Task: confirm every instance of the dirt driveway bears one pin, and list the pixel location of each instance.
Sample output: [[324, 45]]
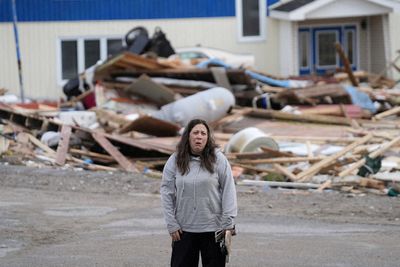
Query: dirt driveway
[[53, 217]]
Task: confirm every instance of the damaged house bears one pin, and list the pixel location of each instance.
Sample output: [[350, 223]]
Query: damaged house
[[59, 39]]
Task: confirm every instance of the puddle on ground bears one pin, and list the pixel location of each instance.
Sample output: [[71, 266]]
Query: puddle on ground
[[79, 211], [7, 246]]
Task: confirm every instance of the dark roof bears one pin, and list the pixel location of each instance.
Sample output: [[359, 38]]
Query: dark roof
[[292, 5]]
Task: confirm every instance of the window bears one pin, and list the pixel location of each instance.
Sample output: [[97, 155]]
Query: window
[[251, 19], [304, 49], [114, 46], [76, 55], [350, 43], [326, 51], [69, 59]]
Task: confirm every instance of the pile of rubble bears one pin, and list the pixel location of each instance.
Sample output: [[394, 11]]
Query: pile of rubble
[[337, 132]]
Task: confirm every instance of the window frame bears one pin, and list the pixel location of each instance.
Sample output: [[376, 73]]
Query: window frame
[[262, 22], [353, 30], [81, 52]]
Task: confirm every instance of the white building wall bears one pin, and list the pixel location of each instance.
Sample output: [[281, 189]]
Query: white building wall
[[394, 22], [287, 50], [8, 59], [377, 44], [38, 43]]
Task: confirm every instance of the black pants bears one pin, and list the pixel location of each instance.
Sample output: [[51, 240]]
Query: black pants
[[185, 253]]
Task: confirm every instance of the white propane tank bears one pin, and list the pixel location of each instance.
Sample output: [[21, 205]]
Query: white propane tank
[[209, 105], [249, 140]]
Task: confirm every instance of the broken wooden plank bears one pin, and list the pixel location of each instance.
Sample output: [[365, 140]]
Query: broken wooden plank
[[152, 126], [273, 114], [284, 171], [387, 113], [118, 156], [90, 154], [279, 184], [304, 175], [374, 154], [280, 160], [346, 63], [63, 144]]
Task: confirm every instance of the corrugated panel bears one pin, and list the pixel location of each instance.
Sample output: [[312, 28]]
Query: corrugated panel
[[72, 10], [5, 10]]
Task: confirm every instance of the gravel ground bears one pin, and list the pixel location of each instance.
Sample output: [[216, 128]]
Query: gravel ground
[[64, 217]]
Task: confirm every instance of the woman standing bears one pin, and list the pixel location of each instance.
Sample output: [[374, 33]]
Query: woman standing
[[198, 196]]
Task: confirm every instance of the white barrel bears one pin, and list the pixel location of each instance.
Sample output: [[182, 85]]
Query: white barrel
[[209, 105], [249, 140]]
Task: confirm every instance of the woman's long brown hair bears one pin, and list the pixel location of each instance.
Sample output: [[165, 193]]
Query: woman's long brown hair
[[207, 156]]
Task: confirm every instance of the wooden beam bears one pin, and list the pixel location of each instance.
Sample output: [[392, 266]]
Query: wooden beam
[[279, 184], [284, 171], [280, 160], [387, 113], [304, 175], [63, 144], [118, 156], [374, 154], [346, 63]]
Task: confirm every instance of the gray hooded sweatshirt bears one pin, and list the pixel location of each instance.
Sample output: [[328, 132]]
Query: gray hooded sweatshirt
[[199, 201]]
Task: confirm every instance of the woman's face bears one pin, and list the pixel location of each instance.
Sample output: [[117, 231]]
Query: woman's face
[[198, 138]]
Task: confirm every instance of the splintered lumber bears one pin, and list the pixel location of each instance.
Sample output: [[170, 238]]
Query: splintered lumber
[[152, 126], [304, 175], [252, 168], [52, 153], [387, 113], [273, 114], [371, 183], [63, 144], [4, 144], [236, 115], [118, 156], [76, 98], [346, 64], [374, 154], [284, 171], [313, 94], [90, 154], [279, 184], [42, 146], [280, 160]]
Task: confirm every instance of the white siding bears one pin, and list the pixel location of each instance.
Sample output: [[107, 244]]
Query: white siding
[[394, 22], [38, 42], [8, 59], [377, 43]]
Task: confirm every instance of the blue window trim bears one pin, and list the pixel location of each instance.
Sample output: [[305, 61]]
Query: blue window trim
[[322, 69], [342, 29], [346, 29], [306, 70]]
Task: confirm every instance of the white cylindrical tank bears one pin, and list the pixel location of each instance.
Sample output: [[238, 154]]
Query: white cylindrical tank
[[249, 140], [209, 105]]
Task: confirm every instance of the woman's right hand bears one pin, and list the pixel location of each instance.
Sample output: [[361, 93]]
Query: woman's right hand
[[176, 236]]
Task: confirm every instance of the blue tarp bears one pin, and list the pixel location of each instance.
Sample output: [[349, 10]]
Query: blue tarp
[[254, 75], [360, 98]]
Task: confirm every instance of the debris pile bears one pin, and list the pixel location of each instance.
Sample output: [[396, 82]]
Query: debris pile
[[338, 132]]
